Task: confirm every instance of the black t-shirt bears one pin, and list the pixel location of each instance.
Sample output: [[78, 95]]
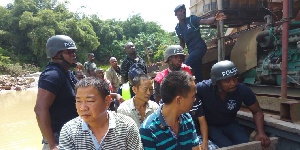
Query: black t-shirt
[[218, 112], [61, 83]]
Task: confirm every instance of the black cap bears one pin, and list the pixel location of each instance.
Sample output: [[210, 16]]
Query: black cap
[[181, 6]]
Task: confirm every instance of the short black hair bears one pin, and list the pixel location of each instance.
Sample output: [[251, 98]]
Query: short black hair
[[89, 54], [101, 85], [138, 78], [174, 84]]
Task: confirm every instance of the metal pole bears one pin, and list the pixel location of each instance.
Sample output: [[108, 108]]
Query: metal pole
[[285, 36], [220, 26]]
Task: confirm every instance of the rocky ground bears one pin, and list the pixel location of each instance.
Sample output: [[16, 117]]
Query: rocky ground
[[18, 83]]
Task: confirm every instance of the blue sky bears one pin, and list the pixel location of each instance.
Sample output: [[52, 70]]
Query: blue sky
[[160, 11]]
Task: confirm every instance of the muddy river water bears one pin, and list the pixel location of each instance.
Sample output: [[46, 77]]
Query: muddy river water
[[18, 126]]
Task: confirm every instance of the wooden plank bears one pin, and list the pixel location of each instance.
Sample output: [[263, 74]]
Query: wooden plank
[[254, 145]]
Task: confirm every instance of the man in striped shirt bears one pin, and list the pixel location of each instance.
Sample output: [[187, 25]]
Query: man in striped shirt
[[97, 128], [171, 126]]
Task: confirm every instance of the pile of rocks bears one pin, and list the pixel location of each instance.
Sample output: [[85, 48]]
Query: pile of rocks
[[8, 82]]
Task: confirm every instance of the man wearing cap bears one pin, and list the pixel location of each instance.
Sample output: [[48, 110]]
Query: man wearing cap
[[174, 56], [222, 97], [131, 58], [56, 95], [188, 33], [90, 66]]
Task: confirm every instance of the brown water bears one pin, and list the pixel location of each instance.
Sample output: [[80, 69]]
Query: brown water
[[18, 126]]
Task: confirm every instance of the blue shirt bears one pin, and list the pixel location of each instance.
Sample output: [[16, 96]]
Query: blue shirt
[[190, 33], [156, 134], [60, 83], [195, 112], [222, 112]]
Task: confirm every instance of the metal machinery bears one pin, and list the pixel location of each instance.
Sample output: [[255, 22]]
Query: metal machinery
[[269, 54], [256, 40], [253, 38]]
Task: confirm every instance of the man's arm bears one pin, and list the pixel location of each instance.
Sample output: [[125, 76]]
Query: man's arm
[[258, 118], [147, 140], [124, 73], [65, 141], [211, 20], [43, 103], [108, 76], [204, 132], [182, 43], [157, 92], [134, 138]]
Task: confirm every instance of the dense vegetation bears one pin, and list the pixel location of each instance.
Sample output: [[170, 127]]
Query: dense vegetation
[[25, 26]]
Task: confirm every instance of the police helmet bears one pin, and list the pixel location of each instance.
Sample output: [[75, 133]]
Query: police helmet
[[222, 70], [173, 50], [57, 43]]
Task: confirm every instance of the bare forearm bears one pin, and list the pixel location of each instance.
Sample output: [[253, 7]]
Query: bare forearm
[[259, 122], [44, 123], [203, 128], [208, 21]]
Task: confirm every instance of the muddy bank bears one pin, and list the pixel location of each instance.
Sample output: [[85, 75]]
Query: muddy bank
[[8, 82]]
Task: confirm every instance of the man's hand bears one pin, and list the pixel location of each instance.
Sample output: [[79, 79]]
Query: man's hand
[[265, 140], [204, 146], [54, 147], [220, 16]]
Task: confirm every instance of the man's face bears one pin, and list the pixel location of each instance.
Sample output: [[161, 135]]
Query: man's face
[[70, 56], [90, 105], [229, 84], [175, 62], [189, 100], [143, 92], [100, 74], [91, 57], [130, 48], [113, 63], [181, 14]]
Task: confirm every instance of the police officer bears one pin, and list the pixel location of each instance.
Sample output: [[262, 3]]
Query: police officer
[[188, 32], [173, 57], [55, 103], [222, 97]]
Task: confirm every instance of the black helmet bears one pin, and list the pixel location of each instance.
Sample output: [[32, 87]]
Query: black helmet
[[57, 43], [173, 50], [222, 70]]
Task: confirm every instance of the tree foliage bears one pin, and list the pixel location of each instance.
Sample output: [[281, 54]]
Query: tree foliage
[[25, 26]]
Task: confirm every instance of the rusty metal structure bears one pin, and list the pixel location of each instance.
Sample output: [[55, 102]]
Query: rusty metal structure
[[263, 39]]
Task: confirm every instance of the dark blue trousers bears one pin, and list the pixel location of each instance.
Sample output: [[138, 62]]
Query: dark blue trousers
[[228, 135], [194, 60]]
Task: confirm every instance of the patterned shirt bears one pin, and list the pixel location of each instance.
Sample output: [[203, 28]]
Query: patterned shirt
[[127, 108], [127, 63], [156, 134], [123, 134]]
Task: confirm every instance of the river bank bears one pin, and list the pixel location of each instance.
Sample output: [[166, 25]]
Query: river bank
[[8, 83]]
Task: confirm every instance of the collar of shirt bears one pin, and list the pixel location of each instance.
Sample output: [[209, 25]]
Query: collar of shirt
[[132, 107], [163, 123]]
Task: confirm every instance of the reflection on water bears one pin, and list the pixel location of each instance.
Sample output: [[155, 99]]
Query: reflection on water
[[18, 126]]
